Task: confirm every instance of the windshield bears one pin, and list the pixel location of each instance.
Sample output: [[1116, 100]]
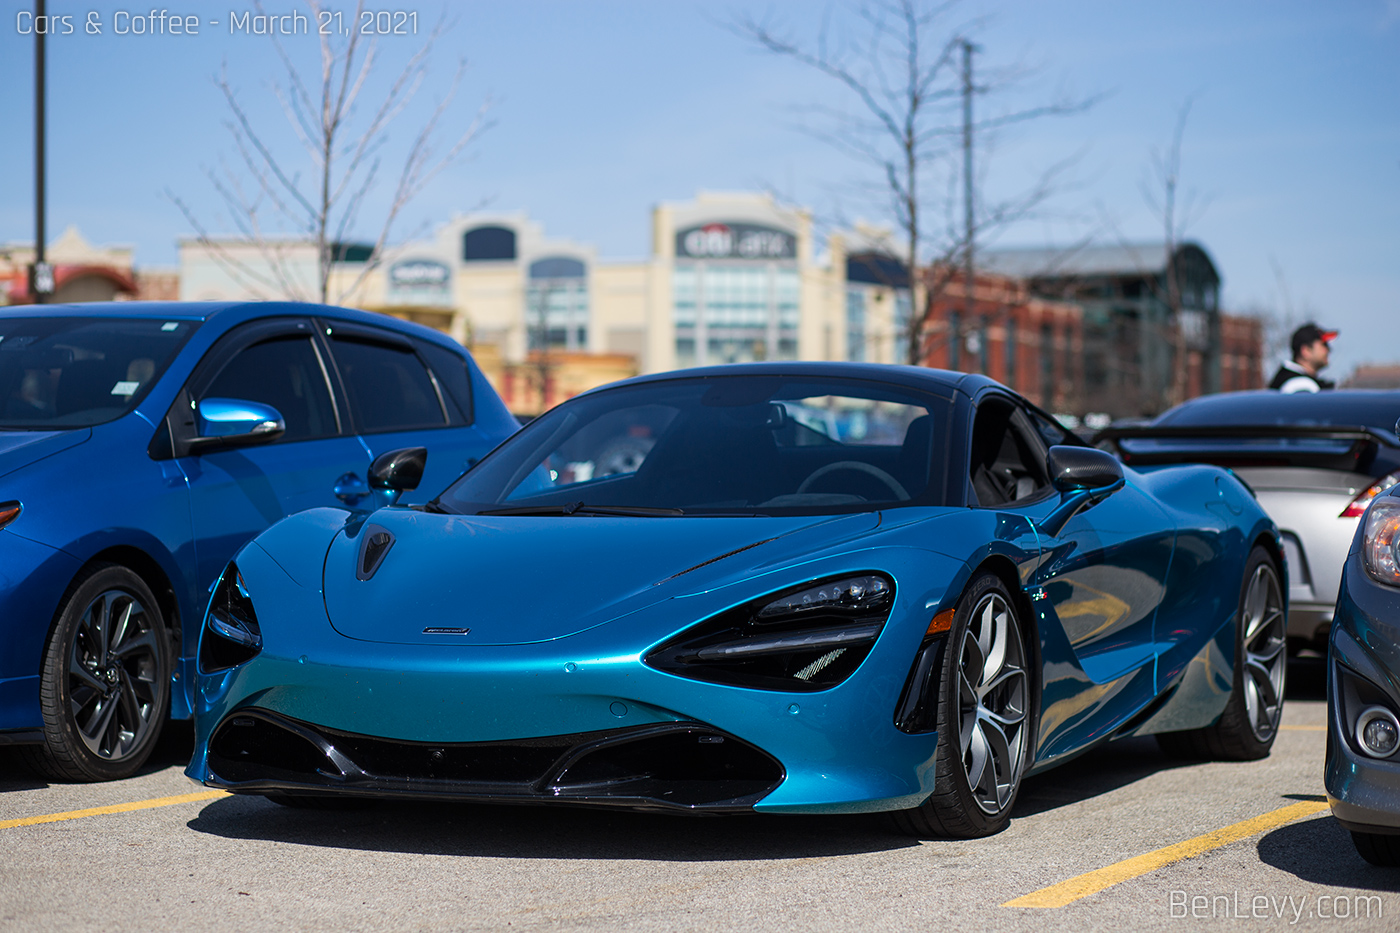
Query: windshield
[[718, 445], [67, 372]]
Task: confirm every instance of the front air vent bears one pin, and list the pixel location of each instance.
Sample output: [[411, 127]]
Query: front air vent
[[374, 547]]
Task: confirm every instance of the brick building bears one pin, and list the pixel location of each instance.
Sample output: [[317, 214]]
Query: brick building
[[1032, 344]]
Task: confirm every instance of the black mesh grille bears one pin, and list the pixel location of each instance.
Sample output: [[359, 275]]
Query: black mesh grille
[[682, 765]]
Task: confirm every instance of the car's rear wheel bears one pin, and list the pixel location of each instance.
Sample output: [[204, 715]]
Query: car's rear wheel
[[983, 720], [104, 687], [1382, 850], [1247, 728]]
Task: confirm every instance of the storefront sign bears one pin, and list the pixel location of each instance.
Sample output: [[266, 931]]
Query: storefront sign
[[427, 274], [735, 241]]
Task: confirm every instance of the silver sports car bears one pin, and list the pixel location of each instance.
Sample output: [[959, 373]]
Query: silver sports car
[[1314, 461]]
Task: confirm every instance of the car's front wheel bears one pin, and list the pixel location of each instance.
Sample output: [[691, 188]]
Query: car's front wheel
[[104, 686], [983, 719]]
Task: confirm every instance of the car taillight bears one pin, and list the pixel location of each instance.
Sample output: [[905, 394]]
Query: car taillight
[[1357, 507]]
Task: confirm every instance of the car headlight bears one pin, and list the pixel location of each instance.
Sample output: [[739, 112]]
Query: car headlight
[[1380, 541], [807, 638], [231, 634]]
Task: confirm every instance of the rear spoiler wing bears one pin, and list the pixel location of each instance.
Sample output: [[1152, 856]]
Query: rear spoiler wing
[[1362, 444]]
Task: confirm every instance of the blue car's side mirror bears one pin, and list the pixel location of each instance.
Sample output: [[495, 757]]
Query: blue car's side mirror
[[227, 422]]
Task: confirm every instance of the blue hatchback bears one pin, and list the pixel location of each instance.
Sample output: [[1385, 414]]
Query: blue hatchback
[[141, 445]]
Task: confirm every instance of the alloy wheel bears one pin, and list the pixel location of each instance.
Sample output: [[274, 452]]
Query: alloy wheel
[[1265, 661], [992, 703], [116, 671]]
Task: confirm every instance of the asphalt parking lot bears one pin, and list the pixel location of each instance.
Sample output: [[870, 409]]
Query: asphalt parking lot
[[1123, 838]]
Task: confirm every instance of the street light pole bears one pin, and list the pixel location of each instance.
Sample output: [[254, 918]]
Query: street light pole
[[40, 276]]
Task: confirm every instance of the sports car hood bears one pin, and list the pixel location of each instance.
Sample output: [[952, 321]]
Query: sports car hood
[[520, 579], [21, 448]]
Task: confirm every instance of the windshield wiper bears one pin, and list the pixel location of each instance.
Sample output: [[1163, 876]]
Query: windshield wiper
[[579, 508]]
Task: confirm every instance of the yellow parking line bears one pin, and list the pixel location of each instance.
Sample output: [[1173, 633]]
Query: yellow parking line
[[1067, 892], [114, 808]]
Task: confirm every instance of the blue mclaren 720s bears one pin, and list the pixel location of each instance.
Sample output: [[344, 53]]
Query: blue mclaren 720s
[[773, 588]]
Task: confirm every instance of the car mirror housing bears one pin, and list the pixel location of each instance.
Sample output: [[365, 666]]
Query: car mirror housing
[[1073, 469], [396, 472], [227, 422], [1084, 476]]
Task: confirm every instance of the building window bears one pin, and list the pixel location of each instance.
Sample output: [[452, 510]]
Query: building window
[[488, 244], [1047, 366], [732, 313], [556, 304], [984, 346], [855, 325], [902, 304], [1010, 340]]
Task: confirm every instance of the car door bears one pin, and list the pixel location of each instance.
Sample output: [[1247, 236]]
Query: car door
[[1101, 574], [404, 392], [236, 493]]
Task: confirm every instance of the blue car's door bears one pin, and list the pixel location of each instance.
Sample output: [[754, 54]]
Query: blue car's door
[[234, 494], [1099, 581], [409, 393]]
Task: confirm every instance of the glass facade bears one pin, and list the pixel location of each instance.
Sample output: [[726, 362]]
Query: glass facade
[[557, 309], [855, 325], [735, 312]]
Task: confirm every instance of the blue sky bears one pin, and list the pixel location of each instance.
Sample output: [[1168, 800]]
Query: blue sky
[[603, 109]]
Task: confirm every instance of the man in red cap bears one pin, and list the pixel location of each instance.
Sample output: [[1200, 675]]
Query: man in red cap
[[1310, 352]]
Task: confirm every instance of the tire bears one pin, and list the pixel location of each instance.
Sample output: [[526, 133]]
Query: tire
[[104, 685], [984, 720], [1247, 728], [1378, 849]]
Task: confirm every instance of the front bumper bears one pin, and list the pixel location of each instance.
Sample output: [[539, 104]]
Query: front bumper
[[835, 751], [1364, 650]]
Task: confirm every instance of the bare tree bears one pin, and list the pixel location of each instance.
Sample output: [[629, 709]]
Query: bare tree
[[342, 134], [1166, 178], [908, 79]]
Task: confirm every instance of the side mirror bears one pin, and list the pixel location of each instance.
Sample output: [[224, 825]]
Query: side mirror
[[1075, 469], [1083, 475], [394, 473], [228, 422]]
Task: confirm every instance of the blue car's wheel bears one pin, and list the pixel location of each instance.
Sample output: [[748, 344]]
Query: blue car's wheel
[[983, 719], [105, 683], [1247, 728]]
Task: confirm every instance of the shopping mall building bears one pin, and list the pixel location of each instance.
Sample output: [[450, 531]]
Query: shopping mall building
[[730, 278]]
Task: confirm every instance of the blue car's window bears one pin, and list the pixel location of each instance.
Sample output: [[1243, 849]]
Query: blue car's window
[[389, 388], [285, 374], [726, 445], [65, 372]]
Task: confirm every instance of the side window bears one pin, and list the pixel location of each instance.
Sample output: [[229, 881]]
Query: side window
[[285, 374], [454, 377], [1005, 464], [388, 387], [1050, 432]]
